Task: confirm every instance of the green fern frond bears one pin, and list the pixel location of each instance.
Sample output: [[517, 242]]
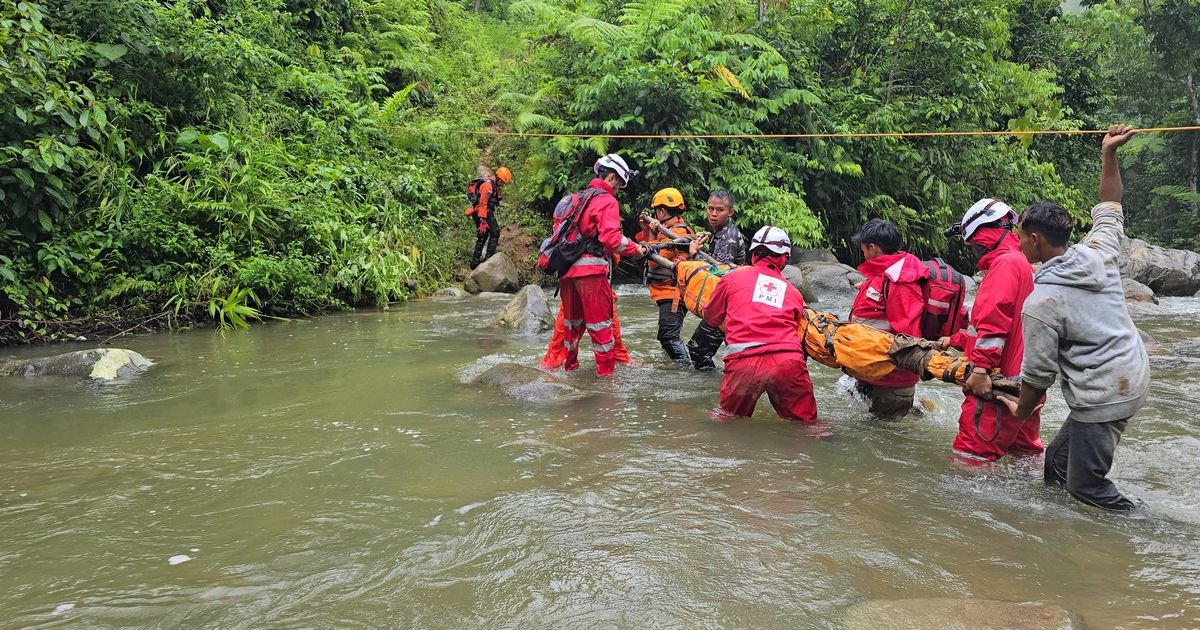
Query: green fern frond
[[596, 32]]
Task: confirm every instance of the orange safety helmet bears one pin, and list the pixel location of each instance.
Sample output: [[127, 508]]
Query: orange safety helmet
[[504, 174], [668, 198]]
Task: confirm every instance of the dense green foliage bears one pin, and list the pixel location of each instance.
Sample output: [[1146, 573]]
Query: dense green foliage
[[168, 162], [198, 159], [678, 67]]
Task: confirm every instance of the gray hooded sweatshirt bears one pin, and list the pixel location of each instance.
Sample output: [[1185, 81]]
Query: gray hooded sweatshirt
[[1076, 323]]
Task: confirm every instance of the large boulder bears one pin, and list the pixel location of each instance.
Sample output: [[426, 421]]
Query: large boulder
[[527, 383], [957, 614], [795, 277], [831, 278], [101, 365], [803, 255], [497, 273], [1137, 292], [528, 311], [1174, 272]]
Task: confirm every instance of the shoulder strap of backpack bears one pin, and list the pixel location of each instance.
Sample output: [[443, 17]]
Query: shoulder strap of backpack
[[581, 200]]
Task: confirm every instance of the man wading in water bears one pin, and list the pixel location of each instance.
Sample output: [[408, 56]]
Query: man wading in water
[[728, 246], [761, 313], [889, 300], [1077, 324], [986, 430], [667, 207]]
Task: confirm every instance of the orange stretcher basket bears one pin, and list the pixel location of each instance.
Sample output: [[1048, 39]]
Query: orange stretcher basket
[[861, 351]]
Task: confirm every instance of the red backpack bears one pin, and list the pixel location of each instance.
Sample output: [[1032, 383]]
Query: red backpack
[[944, 292]]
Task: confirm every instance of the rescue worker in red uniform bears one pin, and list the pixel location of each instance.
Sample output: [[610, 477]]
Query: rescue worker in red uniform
[[556, 351], [987, 430], [587, 296], [761, 313], [667, 207], [891, 300]]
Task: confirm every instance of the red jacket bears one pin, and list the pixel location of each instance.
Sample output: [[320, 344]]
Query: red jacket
[[894, 308], [601, 219], [994, 336], [760, 310]]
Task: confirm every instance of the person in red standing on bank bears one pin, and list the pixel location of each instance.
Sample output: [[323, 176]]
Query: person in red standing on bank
[[761, 313], [987, 430], [587, 296], [891, 300]]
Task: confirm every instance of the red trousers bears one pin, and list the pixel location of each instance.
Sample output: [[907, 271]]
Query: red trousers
[[1020, 436], [587, 304], [782, 375], [556, 351]]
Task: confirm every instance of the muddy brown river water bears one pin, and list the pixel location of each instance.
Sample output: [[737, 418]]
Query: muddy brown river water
[[342, 472]]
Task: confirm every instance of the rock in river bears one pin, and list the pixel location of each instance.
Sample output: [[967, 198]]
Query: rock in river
[[956, 614], [831, 278], [795, 277], [527, 311], [449, 292], [497, 273], [1174, 272], [101, 364], [527, 383], [1137, 292]]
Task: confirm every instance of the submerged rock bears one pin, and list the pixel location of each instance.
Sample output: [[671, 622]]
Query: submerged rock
[[101, 364], [527, 383], [831, 278], [497, 273], [527, 311], [795, 277], [1174, 272], [958, 614], [449, 292]]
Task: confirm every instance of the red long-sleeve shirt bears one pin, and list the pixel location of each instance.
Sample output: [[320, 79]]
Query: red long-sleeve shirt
[[601, 219], [891, 300], [994, 338], [760, 310]]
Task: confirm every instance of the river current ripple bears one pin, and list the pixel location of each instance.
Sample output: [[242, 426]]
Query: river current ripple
[[342, 472]]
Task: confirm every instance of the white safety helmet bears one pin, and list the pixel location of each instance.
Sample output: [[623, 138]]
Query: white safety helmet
[[618, 165], [772, 238], [983, 212]]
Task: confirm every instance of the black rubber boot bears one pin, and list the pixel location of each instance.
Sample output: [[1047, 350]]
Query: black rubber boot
[[678, 352], [703, 345]]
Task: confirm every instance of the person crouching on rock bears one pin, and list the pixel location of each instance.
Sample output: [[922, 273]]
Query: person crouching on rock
[[667, 207], [761, 313]]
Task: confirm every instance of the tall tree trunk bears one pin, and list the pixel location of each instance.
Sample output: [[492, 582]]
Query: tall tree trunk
[[477, 5], [762, 11], [1195, 170]]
